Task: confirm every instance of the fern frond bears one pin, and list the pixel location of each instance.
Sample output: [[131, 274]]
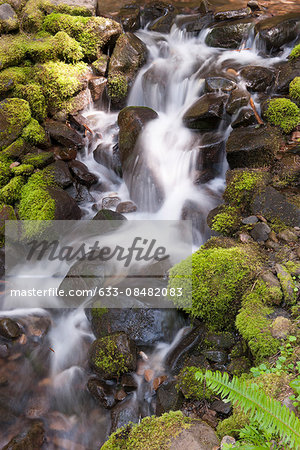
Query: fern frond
[[267, 411]]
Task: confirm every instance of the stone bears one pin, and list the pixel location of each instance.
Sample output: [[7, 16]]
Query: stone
[[215, 84], [287, 236], [8, 19], [32, 439], [100, 66], [269, 278], [77, 103], [9, 328], [221, 407], [14, 116], [64, 134], [61, 173], [220, 340], [126, 207], [81, 173], [168, 398], [80, 123], [102, 392], [278, 30], [109, 157], [4, 352], [237, 99], [97, 87], [257, 78], [65, 154], [199, 436], [164, 23], [216, 356], [233, 14], [250, 220], [273, 205], [206, 113], [260, 232], [148, 375], [130, 17], [65, 207], [89, 5], [287, 71], [107, 214], [6, 213], [158, 16], [251, 147], [228, 440], [158, 381], [194, 23], [281, 327], [110, 202], [128, 381], [245, 118], [124, 412], [286, 282], [253, 5], [228, 34]]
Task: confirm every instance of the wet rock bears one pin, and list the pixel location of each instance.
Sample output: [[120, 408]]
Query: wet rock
[[251, 147], [194, 23], [11, 129], [287, 236], [154, 11], [260, 232], [281, 327], [228, 35], [273, 205], [130, 17], [221, 407], [65, 154], [250, 220], [81, 173], [253, 5], [233, 14], [164, 23], [126, 207], [257, 78], [128, 381], [168, 398], [237, 99], [8, 19], [123, 413], [65, 207], [158, 381], [216, 356], [206, 113], [199, 436], [9, 328], [215, 84], [80, 123], [102, 392], [64, 135], [220, 340], [110, 202], [278, 30], [108, 157], [4, 352], [100, 66], [29, 440], [77, 103], [97, 87], [112, 355], [244, 118], [287, 71], [61, 173], [107, 214]]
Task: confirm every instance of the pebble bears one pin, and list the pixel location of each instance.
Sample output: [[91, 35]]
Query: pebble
[[260, 232], [227, 440], [287, 236]]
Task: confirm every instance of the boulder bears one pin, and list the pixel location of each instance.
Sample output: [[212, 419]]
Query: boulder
[[154, 12], [8, 19], [32, 439], [272, 205], [63, 134], [107, 214], [164, 23], [14, 116], [206, 113], [228, 34], [130, 17], [76, 104], [123, 413], [287, 71], [97, 87], [278, 30], [245, 118], [65, 154], [251, 147], [126, 207], [257, 78], [109, 157], [113, 355], [6, 213], [200, 436], [233, 14], [260, 232], [81, 173], [237, 99], [102, 392], [61, 173], [216, 84], [194, 23], [281, 327], [65, 207], [89, 5], [168, 398]]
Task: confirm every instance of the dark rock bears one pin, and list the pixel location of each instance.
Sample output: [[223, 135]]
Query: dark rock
[[107, 214], [260, 232], [168, 398], [220, 340], [102, 392], [126, 207], [216, 356], [135, 168], [119, 350], [164, 23], [287, 71], [238, 366], [251, 147], [250, 220], [97, 87], [228, 34], [61, 173], [108, 157], [63, 134], [272, 205], [8, 19], [123, 413], [221, 407], [287, 236], [233, 14], [9, 328], [154, 11], [194, 23], [258, 79], [78, 103], [215, 84], [4, 352], [278, 30], [128, 381], [65, 154], [206, 113], [80, 123], [39, 160], [245, 118], [100, 65], [65, 207], [29, 440], [130, 17], [81, 173], [237, 99]]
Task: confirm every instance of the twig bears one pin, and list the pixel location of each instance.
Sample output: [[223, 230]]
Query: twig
[[255, 112]]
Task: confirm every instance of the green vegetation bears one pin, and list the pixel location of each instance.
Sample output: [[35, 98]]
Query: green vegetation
[[191, 388], [14, 150], [117, 87], [33, 133], [12, 50], [295, 53], [107, 356], [11, 192], [294, 89], [153, 433], [12, 76], [5, 173], [213, 281], [241, 186], [23, 169], [32, 92], [226, 221], [16, 114], [283, 113]]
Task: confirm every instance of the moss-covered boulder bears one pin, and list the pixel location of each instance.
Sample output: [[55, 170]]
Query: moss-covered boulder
[[6, 213], [190, 387], [33, 93], [34, 133], [129, 55], [294, 90], [12, 76], [213, 281], [113, 355], [38, 160], [14, 116], [242, 184], [12, 50], [283, 113], [295, 53], [224, 219], [11, 192], [8, 19], [170, 431], [5, 173]]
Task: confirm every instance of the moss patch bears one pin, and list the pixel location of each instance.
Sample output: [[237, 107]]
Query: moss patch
[[5, 173], [117, 87], [226, 221], [15, 114], [11, 193], [23, 169], [295, 53], [241, 186], [283, 113], [33, 133], [294, 89], [190, 387], [32, 92]]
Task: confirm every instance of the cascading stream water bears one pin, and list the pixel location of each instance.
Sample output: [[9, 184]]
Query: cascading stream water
[[171, 81]]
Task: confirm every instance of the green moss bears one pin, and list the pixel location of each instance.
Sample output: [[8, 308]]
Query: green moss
[[294, 89], [283, 113], [12, 76], [12, 50], [38, 160], [6, 213], [60, 81], [253, 323], [153, 433], [98, 312], [288, 284], [117, 87], [14, 150], [295, 53], [67, 48], [190, 387], [16, 115], [227, 221], [34, 133], [241, 186], [5, 173], [213, 281], [108, 358], [232, 425], [32, 92], [23, 169], [11, 193]]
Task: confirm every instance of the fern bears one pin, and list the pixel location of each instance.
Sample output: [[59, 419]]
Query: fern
[[267, 411]]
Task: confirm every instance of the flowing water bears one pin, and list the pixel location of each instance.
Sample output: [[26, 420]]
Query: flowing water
[[55, 373]]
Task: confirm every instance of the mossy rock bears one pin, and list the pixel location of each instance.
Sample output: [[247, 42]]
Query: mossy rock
[[213, 282], [6, 213], [23, 169], [224, 219], [14, 151], [12, 76], [283, 113], [12, 50], [15, 114], [294, 90], [295, 53], [11, 193], [190, 387], [38, 160], [242, 184], [34, 133], [5, 173], [113, 355], [32, 92]]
